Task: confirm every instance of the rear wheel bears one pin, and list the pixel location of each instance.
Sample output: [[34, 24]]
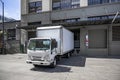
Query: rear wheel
[[54, 63], [67, 55]]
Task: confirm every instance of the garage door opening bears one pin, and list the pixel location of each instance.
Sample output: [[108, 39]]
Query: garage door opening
[[76, 38], [31, 34]]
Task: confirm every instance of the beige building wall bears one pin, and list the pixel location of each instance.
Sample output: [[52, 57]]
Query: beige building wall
[[83, 3], [83, 33], [46, 5], [83, 13], [24, 7]]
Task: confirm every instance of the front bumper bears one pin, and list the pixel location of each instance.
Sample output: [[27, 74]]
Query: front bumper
[[45, 63]]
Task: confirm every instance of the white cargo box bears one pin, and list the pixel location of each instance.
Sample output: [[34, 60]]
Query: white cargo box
[[64, 37]]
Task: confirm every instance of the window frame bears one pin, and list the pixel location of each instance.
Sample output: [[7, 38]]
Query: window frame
[[11, 34], [66, 4], [37, 8]]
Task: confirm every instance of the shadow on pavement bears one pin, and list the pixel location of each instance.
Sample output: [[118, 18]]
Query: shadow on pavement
[[75, 60], [52, 70], [64, 65]]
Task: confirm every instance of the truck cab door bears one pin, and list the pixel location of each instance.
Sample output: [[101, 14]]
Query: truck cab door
[[53, 47]]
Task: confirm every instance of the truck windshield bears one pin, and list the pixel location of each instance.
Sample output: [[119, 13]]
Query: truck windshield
[[39, 44]]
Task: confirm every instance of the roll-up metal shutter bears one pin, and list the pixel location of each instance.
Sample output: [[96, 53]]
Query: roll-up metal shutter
[[97, 38]]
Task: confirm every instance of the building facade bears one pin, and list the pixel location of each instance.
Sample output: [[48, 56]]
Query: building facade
[[90, 20], [11, 36]]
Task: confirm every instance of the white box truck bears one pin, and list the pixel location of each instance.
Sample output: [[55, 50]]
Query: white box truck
[[51, 43]]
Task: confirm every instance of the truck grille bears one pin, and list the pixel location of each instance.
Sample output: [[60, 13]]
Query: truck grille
[[37, 58]]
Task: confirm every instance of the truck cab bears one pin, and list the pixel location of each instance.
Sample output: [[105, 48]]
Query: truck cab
[[42, 51]]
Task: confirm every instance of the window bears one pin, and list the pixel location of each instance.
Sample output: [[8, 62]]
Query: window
[[105, 1], [116, 33], [66, 20], [11, 34], [39, 44], [35, 7], [56, 6], [94, 2], [72, 20], [102, 17], [93, 18], [75, 3], [34, 23], [115, 0], [98, 18], [65, 4]]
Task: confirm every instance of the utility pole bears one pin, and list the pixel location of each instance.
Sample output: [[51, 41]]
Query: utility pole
[[3, 46]]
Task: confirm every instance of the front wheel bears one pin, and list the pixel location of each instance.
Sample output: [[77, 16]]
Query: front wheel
[[53, 64], [35, 65]]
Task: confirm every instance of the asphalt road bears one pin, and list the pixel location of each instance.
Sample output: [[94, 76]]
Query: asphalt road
[[14, 67]]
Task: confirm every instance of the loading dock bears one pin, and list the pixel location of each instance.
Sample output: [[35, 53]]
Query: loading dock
[[103, 39]]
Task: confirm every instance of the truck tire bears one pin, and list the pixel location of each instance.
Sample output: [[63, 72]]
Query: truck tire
[[67, 55], [53, 64], [36, 66], [58, 58]]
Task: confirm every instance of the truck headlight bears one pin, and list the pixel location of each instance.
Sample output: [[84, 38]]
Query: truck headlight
[[29, 57], [47, 58]]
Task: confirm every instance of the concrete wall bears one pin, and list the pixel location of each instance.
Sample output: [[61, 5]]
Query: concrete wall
[[24, 7], [83, 3], [83, 33], [85, 50], [46, 5], [101, 8], [96, 10], [115, 48], [24, 21], [12, 25], [12, 46], [83, 13]]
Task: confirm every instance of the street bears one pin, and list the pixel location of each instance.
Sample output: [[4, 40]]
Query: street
[[14, 67]]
